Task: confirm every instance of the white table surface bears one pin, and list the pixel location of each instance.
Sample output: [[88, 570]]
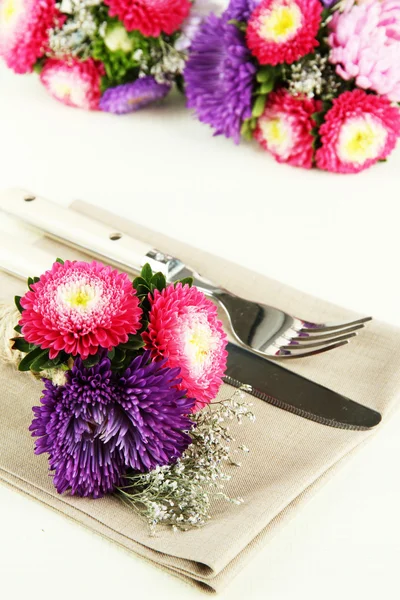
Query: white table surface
[[333, 236]]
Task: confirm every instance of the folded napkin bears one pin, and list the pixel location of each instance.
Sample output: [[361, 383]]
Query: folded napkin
[[290, 457]]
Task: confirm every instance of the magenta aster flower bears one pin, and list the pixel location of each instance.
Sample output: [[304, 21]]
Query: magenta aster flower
[[219, 77], [73, 82], [282, 31], [80, 307], [130, 97], [359, 130], [150, 17], [284, 128], [99, 425], [365, 41], [184, 328], [24, 27]]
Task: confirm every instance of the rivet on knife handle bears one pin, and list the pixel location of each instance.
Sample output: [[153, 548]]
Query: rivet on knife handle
[[84, 233]]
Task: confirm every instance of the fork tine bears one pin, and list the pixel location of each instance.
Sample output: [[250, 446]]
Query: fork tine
[[305, 345], [311, 327], [304, 336], [285, 354]]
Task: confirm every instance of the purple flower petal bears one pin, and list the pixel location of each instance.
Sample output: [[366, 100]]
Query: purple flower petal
[[130, 97]]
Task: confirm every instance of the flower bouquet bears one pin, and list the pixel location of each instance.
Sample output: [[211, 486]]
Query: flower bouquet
[[130, 372], [112, 55], [315, 82]]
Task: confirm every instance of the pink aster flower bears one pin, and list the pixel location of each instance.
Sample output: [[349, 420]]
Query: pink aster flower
[[24, 27], [365, 41], [150, 17], [285, 128], [184, 329], [282, 31], [74, 82], [359, 130], [80, 307]]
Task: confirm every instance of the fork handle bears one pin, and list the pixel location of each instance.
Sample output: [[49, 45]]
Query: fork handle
[[81, 232]]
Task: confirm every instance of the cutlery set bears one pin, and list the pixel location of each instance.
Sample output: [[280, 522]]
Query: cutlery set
[[262, 333]]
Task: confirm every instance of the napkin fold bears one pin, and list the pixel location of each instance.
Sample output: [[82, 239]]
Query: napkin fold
[[290, 457]]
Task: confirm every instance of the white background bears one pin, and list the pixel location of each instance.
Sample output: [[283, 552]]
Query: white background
[[333, 236]]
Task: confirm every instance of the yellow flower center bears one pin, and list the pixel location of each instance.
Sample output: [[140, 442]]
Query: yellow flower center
[[200, 344], [361, 139], [9, 10], [62, 89], [80, 296], [277, 133], [281, 22]]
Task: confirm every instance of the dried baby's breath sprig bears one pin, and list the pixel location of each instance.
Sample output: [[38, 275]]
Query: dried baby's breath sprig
[[75, 35], [180, 494]]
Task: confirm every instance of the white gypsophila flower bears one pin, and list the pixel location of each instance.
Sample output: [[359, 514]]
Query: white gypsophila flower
[[180, 494]]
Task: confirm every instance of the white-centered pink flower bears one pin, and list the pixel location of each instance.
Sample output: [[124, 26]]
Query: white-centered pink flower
[[365, 42], [73, 82], [24, 27], [80, 307], [359, 130], [184, 328], [285, 128]]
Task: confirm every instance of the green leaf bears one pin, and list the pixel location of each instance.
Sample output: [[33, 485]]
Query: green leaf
[[91, 361], [147, 273], [247, 129], [265, 74], [258, 106], [28, 360], [17, 301], [32, 280], [120, 355], [60, 260], [111, 354], [186, 281], [241, 25], [18, 328], [159, 282], [266, 87], [19, 343], [143, 290]]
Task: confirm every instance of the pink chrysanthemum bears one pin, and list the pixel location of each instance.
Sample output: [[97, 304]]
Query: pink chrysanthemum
[[365, 41], [74, 82], [24, 27], [185, 329], [282, 31], [150, 17], [285, 128], [80, 307], [359, 130]]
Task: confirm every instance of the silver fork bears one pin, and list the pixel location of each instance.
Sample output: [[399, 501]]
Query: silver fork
[[270, 331], [263, 329]]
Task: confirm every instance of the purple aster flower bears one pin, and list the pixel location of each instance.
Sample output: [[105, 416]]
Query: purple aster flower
[[130, 97], [329, 3], [240, 10], [99, 425], [219, 77]]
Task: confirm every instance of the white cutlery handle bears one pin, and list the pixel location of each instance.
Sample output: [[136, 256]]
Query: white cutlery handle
[[23, 260], [81, 232]]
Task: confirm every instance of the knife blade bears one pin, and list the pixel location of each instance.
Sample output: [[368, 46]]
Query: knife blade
[[276, 385], [268, 381]]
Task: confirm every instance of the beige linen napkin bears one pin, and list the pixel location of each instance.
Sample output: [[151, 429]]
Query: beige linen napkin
[[289, 457]]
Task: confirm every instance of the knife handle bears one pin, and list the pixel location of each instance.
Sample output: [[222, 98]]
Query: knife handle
[[81, 232], [22, 260]]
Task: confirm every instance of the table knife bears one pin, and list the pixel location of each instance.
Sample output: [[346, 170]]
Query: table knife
[[264, 379]]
